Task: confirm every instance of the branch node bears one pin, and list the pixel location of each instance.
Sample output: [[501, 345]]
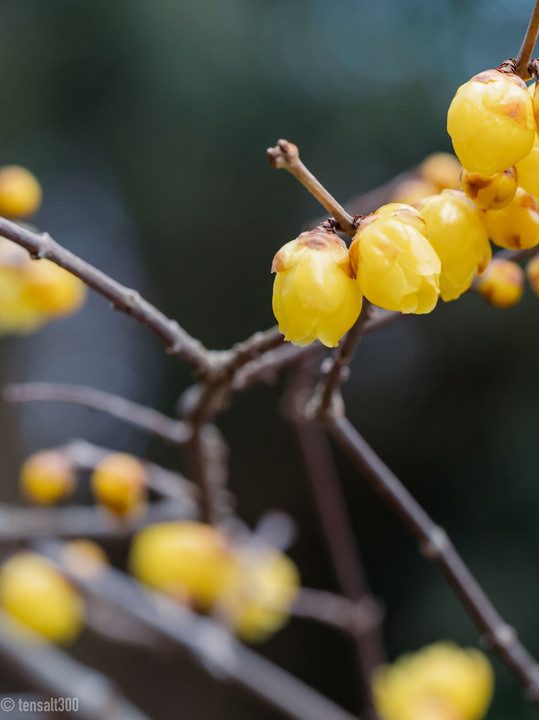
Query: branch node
[[436, 543]]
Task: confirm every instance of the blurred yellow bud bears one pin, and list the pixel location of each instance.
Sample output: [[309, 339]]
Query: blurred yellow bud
[[396, 266], [456, 232], [532, 273], [119, 484], [259, 593], [51, 289], [315, 296], [502, 284], [441, 169], [39, 596], [516, 226], [20, 192], [490, 192], [528, 170], [84, 558], [440, 682], [412, 190], [491, 122], [47, 478], [188, 561]]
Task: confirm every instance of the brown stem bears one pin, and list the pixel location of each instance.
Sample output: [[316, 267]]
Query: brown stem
[[286, 155], [172, 431], [435, 545], [526, 49], [176, 339]]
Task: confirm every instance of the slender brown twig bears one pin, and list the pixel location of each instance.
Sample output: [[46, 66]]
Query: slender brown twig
[[172, 431], [49, 670], [176, 339], [286, 155], [526, 49], [435, 545], [206, 641], [354, 617]]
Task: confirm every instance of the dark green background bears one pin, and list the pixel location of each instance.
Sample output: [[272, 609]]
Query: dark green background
[[147, 122]]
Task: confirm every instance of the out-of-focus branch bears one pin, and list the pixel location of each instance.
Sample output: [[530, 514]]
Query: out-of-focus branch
[[176, 339], [168, 484], [18, 524], [172, 431], [49, 670], [358, 618], [436, 546], [286, 155], [526, 49], [205, 640]]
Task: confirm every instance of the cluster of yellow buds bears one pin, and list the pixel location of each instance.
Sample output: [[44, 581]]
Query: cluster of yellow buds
[[36, 594], [433, 240], [32, 292], [249, 588], [119, 482], [440, 682]]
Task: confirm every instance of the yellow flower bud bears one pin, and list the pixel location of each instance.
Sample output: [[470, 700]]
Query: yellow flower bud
[[20, 192], [16, 315], [84, 558], [532, 273], [516, 226], [528, 170], [315, 296], [51, 289], [440, 682], [441, 169], [536, 104], [411, 191], [185, 560], [119, 483], [502, 284], [491, 122], [47, 478], [456, 232], [395, 264], [38, 595], [258, 595], [490, 192]]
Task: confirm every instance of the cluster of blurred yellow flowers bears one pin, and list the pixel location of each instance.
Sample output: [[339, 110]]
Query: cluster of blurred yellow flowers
[[440, 682], [250, 588]]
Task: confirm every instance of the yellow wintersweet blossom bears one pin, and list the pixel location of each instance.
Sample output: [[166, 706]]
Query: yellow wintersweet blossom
[[315, 296], [395, 265], [20, 192], [502, 284], [47, 477], [528, 170], [440, 682], [258, 594], [491, 122], [456, 232], [442, 169], [188, 561], [39, 596], [516, 226], [490, 192], [119, 484]]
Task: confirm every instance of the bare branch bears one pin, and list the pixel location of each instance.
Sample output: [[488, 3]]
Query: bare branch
[[526, 49], [286, 155], [357, 618], [48, 669], [176, 339], [154, 422], [206, 641], [436, 546]]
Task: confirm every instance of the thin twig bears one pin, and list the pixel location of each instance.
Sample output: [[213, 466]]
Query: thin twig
[[286, 155], [435, 545], [49, 670], [20, 524], [172, 431], [358, 618], [176, 339], [206, 641], [526, 49]]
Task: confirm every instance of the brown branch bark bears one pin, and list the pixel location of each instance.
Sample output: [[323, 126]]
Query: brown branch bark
[[172, 431], [436, 546], [526, 49], [176, 339]]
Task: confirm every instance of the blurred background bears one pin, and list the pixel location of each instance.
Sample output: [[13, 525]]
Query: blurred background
[[147, 123]]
